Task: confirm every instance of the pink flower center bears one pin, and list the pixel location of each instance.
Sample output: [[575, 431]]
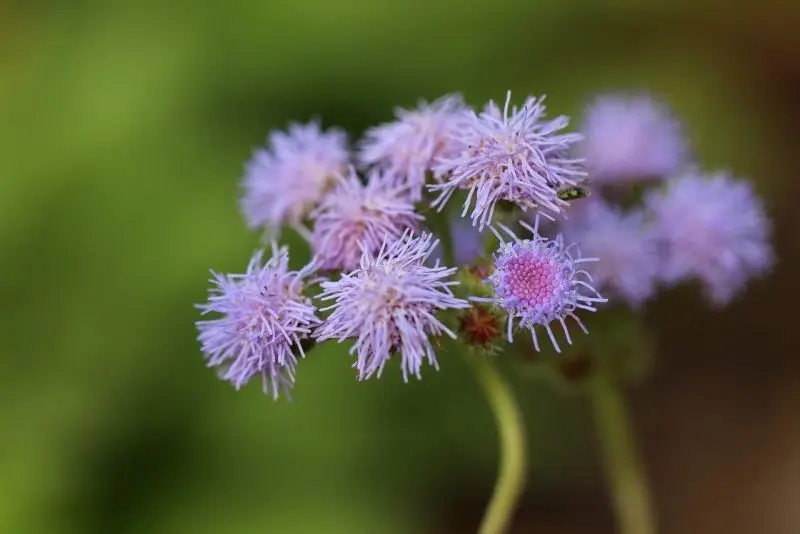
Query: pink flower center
[[531, 280]]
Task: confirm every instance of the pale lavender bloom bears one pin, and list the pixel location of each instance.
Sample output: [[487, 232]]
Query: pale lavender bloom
[[631, 137], [513, 155], [264, 319], [356, 217], [538, 281], [629, 263], [284, 181], [468, 242], [714, 228], [408, 147], [389, 304]]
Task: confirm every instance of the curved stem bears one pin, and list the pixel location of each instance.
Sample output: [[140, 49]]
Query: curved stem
[[629, 490], [510, 426]]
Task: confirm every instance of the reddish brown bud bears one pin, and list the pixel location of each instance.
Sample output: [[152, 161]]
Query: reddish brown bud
[[481, 272], [479, 326]]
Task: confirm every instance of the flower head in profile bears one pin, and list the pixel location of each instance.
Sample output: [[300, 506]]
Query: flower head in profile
[[284, 181], [263, 319], [538, 281], [389, 306], [513, 155], [629, 261], [715, 229], [408, 147], [355, 217], [631, 137]]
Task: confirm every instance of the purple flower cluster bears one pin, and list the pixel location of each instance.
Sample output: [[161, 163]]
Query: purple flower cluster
[[355, 216], [389, 304], [688, 225], [625, 242], [712, 228], [513, 155], [264, 320], [384, 286], [409, 147], [285, 181], [631, 137], [539, 281]]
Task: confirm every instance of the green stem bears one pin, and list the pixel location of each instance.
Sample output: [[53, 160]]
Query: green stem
[[510, 426], [625, 469]]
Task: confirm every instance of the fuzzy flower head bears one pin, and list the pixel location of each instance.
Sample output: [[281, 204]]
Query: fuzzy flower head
[[629, 262], [408, 147], [286, 180], [263, 320], [356, 217], [538, 281], [512, 155], [714, 228], [389, 305], [631, 137]]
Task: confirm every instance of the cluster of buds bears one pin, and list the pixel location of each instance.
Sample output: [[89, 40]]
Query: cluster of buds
[[524, 252]]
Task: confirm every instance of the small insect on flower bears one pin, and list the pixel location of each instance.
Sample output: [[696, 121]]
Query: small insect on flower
[[513, 156], [408, 147], [286, 180], [389, 305], [714, 228], [355, 217], [575, 192], [264, 320], [538, 281]]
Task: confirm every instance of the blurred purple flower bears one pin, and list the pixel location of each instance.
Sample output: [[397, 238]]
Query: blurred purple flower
[[467, 241], [389, 305], [631, 137], [264, 319], [286, 180], [513, 155], [629, 263], [538, 281], [714, 228], [408, 147], [356, 217]]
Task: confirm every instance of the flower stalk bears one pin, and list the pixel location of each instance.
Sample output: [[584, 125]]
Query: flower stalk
[[513, 463], [630, 493]]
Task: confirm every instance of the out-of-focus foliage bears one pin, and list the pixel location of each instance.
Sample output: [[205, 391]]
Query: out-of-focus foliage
[[123, 131]]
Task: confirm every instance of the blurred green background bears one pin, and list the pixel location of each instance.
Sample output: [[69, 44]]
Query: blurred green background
[[123, 132]]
